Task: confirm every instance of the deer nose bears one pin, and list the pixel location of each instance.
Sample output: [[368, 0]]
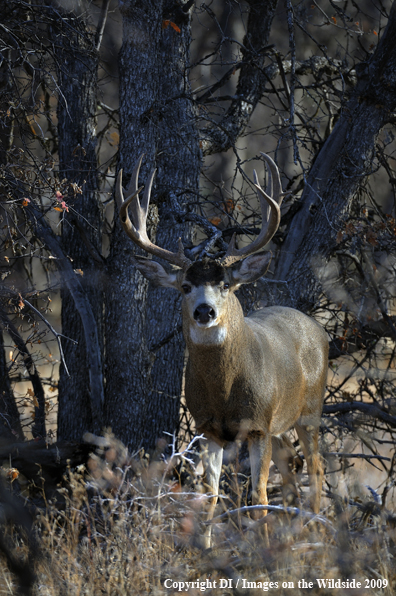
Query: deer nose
[[204, 313]]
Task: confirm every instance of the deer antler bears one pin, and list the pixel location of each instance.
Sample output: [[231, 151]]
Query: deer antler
[[136, 228], [273, 197]]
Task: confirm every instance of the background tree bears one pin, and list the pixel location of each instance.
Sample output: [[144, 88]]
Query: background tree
[[144, 363], [77, 62]]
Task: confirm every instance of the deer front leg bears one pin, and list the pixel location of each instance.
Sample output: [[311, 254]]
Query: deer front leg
[[260, 458], [212, 458]]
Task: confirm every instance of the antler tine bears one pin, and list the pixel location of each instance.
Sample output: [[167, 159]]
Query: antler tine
[[136, 229], [133, 184], [147, 193], [268, 190], [276, 186], [265, 208], [267, 231], [123, 208], [132, 189]]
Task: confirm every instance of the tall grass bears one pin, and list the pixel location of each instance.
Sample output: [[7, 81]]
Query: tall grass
[[130, 526]]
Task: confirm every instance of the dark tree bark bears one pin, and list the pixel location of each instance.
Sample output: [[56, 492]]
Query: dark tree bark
[[5, 90], [82, 224], [144, 346], [344, 161], [10, 426]]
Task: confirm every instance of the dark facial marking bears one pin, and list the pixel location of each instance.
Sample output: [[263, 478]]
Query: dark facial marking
[[203, 272]]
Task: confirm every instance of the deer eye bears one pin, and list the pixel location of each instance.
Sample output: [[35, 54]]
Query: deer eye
[[186, 288], [226, 286]]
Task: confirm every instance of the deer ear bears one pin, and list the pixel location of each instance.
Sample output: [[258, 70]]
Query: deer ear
[[155, 272], [251, 268]]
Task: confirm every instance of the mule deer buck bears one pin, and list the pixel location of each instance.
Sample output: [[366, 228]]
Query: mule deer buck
[[247, 377]]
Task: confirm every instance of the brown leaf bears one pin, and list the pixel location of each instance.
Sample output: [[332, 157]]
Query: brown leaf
[[229, 205], [175, 487], [12, 474], [372, 238], [114, 139], [165, 25], [175, 27]]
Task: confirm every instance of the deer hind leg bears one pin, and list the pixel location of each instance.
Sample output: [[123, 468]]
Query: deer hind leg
[[289, 463], [212, 458], [260, 458], [309, 438]]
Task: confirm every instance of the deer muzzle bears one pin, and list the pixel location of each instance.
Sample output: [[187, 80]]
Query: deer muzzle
[[204, 314]]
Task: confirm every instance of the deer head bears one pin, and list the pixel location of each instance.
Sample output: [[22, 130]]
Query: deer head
[[206, 285]]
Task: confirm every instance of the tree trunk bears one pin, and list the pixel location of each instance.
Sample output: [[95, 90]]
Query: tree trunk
[[10, 426], [78, 67], [144, 345]]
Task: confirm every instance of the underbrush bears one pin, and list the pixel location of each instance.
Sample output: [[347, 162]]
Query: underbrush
[[128, 526]]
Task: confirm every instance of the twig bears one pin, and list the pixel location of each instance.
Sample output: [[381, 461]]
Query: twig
[[369, 409], [83, 306], [55, 333], [39, 429], [46, 322], [356, 455], [210, 230], [381, 303], [276, 509], [101, 24]]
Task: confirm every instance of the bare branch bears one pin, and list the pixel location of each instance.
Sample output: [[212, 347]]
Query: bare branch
[[102, 23], [84, 309], [251, 81], [345, 159], [372, 410]]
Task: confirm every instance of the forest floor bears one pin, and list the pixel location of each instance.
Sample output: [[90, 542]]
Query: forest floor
[[123, 525]]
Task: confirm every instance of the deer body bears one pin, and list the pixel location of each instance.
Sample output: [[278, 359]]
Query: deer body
[[268, 372], [246, 378]]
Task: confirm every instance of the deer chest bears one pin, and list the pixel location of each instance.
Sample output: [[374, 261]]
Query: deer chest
[[224, 412]]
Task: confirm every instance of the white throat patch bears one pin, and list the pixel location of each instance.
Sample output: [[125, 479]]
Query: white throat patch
[[214, 335]]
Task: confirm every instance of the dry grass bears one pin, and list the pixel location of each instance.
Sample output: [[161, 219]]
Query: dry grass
[[128, 527]]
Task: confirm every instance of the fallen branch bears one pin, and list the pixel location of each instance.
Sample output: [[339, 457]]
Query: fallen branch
[[275, 509], [370, 409]]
